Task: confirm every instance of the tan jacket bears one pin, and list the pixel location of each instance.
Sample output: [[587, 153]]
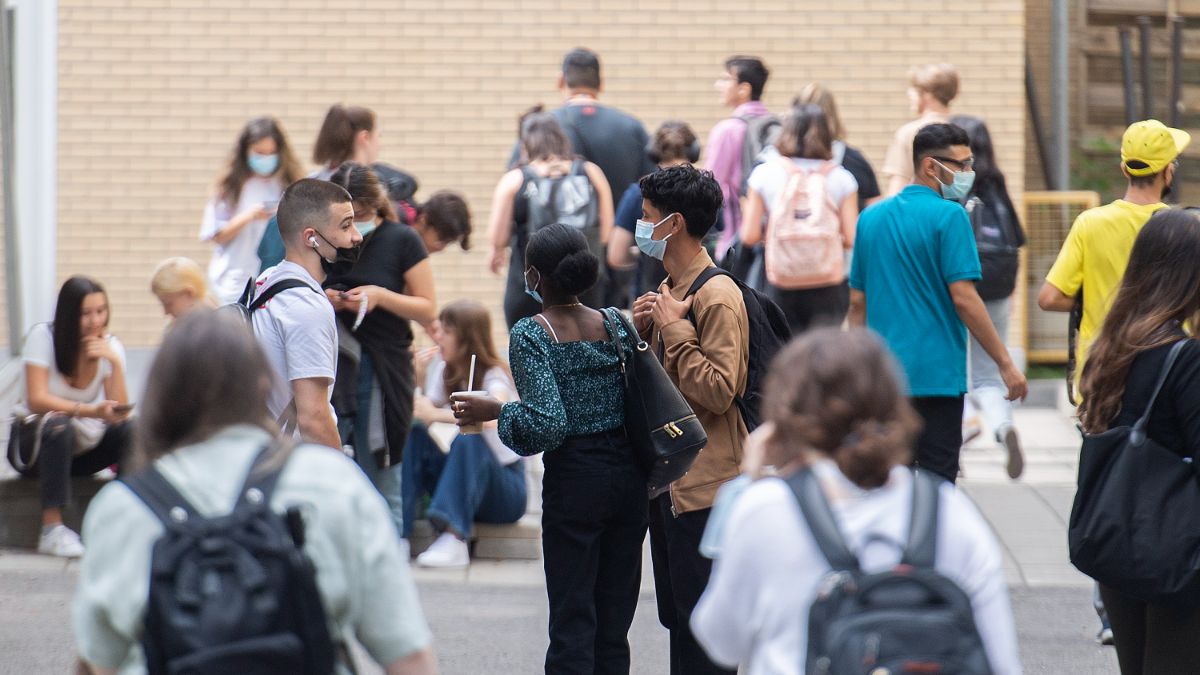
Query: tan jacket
[[709, 362]]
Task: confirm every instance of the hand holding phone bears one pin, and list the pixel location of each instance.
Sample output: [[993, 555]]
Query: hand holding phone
[[122, 408]]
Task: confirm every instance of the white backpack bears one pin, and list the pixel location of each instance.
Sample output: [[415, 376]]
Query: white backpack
[[804, 247]]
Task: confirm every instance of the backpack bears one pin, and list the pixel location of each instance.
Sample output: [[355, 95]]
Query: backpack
[[248, 304], [761, 133], [769, 332], [909, 619], [569, 199], [803, 246], [999, 246], [232, 593]]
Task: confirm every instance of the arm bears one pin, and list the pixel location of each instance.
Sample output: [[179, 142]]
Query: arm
[[1050, 299], [314, 415], [709, 357], [848, 213], [417, 303], [418, 663], [857, 315], [896, 184], [752, 213], [537, 422], [40, 401], [970, 309], [620, 249], [604, 194], [500, 223], [230, 230]]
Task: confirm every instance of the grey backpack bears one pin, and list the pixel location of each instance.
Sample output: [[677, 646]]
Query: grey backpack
[[908, 619], [569, 199], [761, 133]]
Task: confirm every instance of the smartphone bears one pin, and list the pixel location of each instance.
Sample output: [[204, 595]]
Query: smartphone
[[122, 408]]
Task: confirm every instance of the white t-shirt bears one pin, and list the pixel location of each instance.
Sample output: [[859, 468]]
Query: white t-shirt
[[298, 332], [234, 263], [362, 570], [495, 382], [754, 612], [39, 351], [769, 178]]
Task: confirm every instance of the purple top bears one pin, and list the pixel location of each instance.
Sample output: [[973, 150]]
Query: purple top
[[725, 143]]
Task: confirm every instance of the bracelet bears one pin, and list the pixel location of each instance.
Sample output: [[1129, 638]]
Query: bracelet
[[78, 408]]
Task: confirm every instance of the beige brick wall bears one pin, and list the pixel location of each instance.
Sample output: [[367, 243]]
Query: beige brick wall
[[152, 93]]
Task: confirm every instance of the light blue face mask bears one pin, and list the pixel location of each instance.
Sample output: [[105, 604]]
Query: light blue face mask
[[263, 165], [643, 235], [961, 187], [366, 227], [537, 297]]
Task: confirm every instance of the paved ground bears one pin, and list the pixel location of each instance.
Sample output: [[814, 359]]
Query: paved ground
[[491, 618]]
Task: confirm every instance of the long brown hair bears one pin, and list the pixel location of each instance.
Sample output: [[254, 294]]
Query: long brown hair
[[229, 185], [335, 140], [542, 137], [805, 133], [472, 327], [364, 188], [1160, 290], [840, 395], [818, 94], [209, 374]]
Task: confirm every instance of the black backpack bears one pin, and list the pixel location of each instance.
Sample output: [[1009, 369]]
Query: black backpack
[[247, 305], [998, 238], [909, 619], [569, 199], [233, 593], [769, 332]]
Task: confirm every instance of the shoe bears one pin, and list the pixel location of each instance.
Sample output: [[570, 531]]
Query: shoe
[[60, 541], [1016, 460], [447, 551], [1105, 637]]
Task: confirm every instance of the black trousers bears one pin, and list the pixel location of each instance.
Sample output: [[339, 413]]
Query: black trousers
[[56, 463], [1152, 639], [593, 526], [940, 441], [680, 575], [813, 307]]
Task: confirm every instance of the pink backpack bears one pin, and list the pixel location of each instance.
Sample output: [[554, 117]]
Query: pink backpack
[[804, 235]]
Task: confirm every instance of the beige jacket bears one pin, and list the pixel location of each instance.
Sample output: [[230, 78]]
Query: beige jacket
[[709, 362]]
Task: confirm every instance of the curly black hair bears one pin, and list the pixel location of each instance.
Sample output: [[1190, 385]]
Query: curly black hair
[[688, 191]]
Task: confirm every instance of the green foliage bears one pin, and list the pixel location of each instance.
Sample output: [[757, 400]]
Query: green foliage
[[1097, 167]]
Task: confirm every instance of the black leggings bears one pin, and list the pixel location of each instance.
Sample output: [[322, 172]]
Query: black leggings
[[56, 463], [1153, 639]]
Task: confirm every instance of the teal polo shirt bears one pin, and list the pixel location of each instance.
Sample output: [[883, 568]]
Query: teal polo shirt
[[907, 251]]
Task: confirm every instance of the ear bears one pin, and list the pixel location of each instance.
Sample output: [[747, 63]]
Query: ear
[[562, 81]]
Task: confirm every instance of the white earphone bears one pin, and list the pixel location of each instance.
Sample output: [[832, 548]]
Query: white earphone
[[312, 241]]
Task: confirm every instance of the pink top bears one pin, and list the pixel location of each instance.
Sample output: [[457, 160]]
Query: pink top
[[725, 143]]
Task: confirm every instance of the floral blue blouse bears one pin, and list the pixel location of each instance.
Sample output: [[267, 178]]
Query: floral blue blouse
[[567, 389]]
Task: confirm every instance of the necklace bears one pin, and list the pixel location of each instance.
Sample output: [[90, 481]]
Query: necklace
[[564, 305]]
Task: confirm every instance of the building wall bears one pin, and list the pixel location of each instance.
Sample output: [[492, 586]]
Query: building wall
[[153, 92]]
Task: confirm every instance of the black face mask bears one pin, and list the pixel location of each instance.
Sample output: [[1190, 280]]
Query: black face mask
[[1166, 191], [343, 256]]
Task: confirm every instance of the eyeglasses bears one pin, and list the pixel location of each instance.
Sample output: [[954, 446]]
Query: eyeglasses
[[967, 164]]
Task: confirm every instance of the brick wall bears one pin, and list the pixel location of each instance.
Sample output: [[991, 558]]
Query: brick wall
[[153, 92]]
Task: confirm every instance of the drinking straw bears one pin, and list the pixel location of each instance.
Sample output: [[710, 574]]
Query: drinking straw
[[471, 377]]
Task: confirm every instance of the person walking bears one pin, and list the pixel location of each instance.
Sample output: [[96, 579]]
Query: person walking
[[1159, 294], [203, 423], [830, 196], [912, 280], [835, 406], [849, 157], [568, 375], [931, 88], [703, 340], [260, 167]]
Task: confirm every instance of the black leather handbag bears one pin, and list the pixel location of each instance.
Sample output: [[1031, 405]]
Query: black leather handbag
[[660, 425], [1135, 523]]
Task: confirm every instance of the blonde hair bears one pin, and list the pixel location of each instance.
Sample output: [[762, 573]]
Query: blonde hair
[[939, 79], [816, 93], [176, 275]]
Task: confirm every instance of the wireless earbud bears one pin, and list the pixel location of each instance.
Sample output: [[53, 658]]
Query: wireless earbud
[[312, 241]]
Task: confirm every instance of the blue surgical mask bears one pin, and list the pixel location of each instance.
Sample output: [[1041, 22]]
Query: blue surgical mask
[[263, 165], [537, 297], [366, 227], [643, 235], [961, 187]]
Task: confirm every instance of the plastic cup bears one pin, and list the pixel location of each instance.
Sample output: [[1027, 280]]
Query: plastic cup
[[469, 428]]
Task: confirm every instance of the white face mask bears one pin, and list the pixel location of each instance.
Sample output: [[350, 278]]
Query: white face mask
[[366, 227]]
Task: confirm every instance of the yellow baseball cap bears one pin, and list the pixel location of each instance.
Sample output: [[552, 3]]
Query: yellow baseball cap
[[1152, 143]]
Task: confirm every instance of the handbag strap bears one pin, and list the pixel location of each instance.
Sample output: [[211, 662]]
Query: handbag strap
[[1138, 435]]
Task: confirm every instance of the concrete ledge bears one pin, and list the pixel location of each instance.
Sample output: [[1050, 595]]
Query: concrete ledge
[[21, 508], [521, 540]]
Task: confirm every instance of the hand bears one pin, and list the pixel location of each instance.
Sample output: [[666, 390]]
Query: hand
[[99, 348], [1015, 381], [421, 361], [104, 411], [642, 308], [474, 408], [424, 410], [355, 295], [667, 309], [262, 212], [497, 259], [338, 300]]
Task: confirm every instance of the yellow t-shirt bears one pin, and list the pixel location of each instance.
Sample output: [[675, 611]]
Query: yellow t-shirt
[[1093, 258]]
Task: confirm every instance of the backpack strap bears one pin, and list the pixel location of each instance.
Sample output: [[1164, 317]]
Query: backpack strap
[[821, 522], [274, 289], [704, 278], [159, 495], [265, 471], [921, 549], [1138, 435]]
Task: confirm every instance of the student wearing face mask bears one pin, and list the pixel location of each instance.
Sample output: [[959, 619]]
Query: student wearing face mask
[[912, 281], [377, 293], [261, 166]]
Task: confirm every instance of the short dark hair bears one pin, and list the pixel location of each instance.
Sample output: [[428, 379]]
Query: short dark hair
[[1145, 180], [805, 133], [688, 191], [751, 70], [937, 138], [306, 204], [581, 69], [446, 213], [560, 254]]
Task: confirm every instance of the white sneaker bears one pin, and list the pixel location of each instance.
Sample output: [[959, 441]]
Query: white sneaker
[[445, 552], [60, 541], [1016, 460]]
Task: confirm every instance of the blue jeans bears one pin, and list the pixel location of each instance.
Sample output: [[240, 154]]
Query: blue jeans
[[356, 430], [468, 484]]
